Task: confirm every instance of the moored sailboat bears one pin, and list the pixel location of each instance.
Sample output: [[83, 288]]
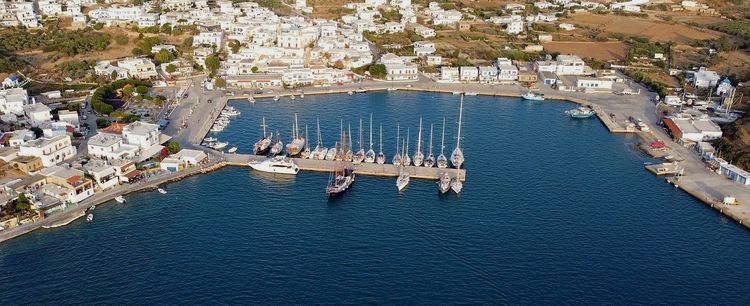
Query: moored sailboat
[[349, 153], [297, 144], [397, 156], [405, 159], [306, 152], [430, 160], [380, 159], [418, 155], [360, 155], [278, 146], [341, 177], [370, 155], [262, 146], [457, 157], [442, 161], [331, 153], [444, 184], [319, 152], [403, 179]]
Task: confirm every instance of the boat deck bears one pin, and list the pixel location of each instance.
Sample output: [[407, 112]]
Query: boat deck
[[361, 169]]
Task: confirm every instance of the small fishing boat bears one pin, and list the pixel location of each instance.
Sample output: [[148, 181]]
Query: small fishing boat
[[444, 184], [276, 98], [161, 190], [209, 139], [580, 113], [90, 218], [220, 145], [251, 99], [92, 207], [360, 90], [531, 96], [470, 93], [120, 199], [456, 93], [232, 150], [291, 97], [350, 92], [277, 165], [302, 95], [391, 89]]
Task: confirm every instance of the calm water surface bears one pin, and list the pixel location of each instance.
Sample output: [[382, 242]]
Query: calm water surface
[[554, 211]]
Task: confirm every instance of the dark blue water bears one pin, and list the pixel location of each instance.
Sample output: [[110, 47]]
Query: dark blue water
[[554, 211]]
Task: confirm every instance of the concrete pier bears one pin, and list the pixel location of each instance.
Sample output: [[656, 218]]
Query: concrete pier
[[372, 169]]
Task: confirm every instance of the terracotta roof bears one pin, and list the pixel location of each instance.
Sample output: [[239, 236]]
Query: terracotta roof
[[114, 128], [132, 174]]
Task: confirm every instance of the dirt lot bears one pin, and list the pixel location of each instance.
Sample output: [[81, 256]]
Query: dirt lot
[[653, 29], [603, 51], [735, 62]]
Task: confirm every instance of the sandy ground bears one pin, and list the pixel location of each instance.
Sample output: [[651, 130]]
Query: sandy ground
[[611, 50], [653, 29]]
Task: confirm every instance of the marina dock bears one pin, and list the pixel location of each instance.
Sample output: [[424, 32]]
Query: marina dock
[[371, 169]]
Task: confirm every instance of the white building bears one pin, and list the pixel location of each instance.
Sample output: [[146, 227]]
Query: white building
[[488, 74], [142, 134], [469, 73], [104, 175], [51, 150], [594, 84], [563, 65], [507, 73], [12, 100], [104, 68], [139, 67], [190, 157], [449, 74], [424, 31], [703, 78], [209, 39], [66, 184], [110, 147], [37, 113]]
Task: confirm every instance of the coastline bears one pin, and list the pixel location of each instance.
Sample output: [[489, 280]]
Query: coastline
[[694, 188]]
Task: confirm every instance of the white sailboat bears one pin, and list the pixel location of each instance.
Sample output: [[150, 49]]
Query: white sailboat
[[444, 184], [418, 155], [294, 147], [262, 146], [320, 152], [456, 184], [380, 159], [405, 159], [370, 155], [349, 153], [360, 155], [278, 146], [442, 161], [306, 152], [331, 153], [457, 157], [397, 156], [430, 160], [403, 178]]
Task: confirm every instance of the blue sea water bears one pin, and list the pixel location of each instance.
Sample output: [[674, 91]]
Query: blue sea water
[[554, 210]]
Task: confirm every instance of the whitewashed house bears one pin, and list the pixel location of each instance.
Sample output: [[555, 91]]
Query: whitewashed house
[[12, 100], [507, 73], [449, 74], [104, 175], [139, 67], [209, 39], [488, 74], [51, 150], [37, 113], [469, 73], [110, 147]]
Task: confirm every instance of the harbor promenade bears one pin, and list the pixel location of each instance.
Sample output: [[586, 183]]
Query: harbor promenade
[[371, 169]]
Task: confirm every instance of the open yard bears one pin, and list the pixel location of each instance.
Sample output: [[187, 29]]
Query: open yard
[[656, 30], [603, 51]]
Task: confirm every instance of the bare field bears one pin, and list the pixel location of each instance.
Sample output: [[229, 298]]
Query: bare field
[[653, 29], [735, 62], [603, 51]]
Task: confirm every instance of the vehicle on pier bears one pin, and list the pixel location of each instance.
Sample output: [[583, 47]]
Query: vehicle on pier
[[580, 113], [276, 164], [342, 176], [262, 145]]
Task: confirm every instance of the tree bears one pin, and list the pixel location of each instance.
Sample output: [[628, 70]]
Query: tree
[[141, 89], [74, 107], [37, 131], [101, 123], [254, 69], [113, 75], [137, 51], [171, 68], [377, 71], [221, 83], [234, 45], [173, 147], [121, 39], [164, 56], [166, 28], [212, 63]]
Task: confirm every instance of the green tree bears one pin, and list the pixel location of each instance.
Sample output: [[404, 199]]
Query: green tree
[[121, 39], [166, 28], [141, 89], [171, 68], [213, 63], [378, 71], [234, 45], [164, 56], [173, 147], [254, 69], [74, 107], [137, 51], [37, 131], [113, 75], [221, 83]]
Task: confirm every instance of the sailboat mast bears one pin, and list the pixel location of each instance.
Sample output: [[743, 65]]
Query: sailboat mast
[[264, 127], [408, 133], [318, 132], [460, 118], [350, 136], [381, 138], [398, 137], [370, 131], [430, 138], [296, 126], [442, 138], [360, 133], [419, 138], [307, 143]]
